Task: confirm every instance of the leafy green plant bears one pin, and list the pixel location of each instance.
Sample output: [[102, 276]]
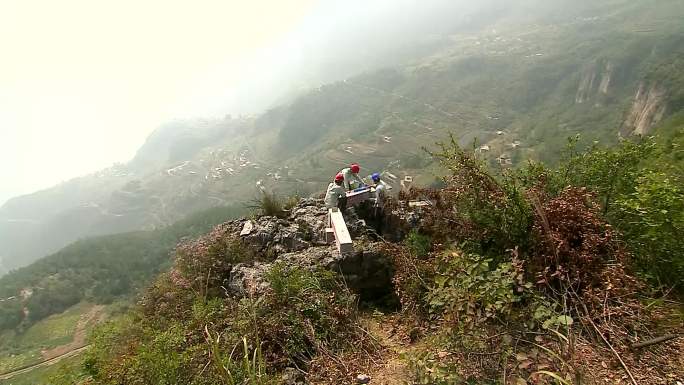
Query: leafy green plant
[[490, 212], [609, 172], [639, 190], [469, 289], [652, 221], [418, 244], [428, 369]]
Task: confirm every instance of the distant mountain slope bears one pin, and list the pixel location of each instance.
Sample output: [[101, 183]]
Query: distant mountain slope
[[519, 84], [99, 269]]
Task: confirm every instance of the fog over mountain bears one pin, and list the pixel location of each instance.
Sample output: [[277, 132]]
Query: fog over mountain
[[181, 96], [97, 81], [86, 84], [169, 212]]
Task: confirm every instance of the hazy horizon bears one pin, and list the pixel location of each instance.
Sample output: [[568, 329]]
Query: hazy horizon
[[92, 79], [87, 82]]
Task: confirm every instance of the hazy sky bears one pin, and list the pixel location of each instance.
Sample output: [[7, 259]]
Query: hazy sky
[[83, 82]]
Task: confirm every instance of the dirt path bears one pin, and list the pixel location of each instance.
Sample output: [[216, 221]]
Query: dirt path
[[393, 370], [49, 362], [94, 315]]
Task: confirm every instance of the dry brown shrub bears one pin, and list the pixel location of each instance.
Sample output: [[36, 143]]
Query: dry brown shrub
[[574, 244], [412, 277]]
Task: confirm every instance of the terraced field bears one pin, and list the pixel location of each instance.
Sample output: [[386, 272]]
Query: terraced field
[[48, 339]]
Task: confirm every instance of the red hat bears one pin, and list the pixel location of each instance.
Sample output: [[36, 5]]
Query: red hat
[[339, 177], [355, 168]]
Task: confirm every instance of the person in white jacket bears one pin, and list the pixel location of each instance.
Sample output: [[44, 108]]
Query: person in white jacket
[[351, 176], [336, 195], [381, 191]]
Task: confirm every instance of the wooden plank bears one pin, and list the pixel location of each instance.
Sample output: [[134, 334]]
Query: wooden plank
[[342, 238]]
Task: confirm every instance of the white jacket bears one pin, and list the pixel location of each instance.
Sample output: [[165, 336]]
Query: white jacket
[[333, 195], [380, 192], [350, 179]]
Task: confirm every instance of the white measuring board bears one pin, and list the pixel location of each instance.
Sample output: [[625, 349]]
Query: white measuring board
[[342, 237]]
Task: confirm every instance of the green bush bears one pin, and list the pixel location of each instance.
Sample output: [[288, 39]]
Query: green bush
[[609, 172], [11, 314], [418, 244], [470, 289], [489, 212], [305, 311], [641, 195], [146, 351], [652, 222], [181, 335], [427, 369]]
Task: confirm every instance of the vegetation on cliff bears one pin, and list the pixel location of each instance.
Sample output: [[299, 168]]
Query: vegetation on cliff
[[529, 275]]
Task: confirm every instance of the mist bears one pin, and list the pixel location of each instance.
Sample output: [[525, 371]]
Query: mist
[[86, 85]]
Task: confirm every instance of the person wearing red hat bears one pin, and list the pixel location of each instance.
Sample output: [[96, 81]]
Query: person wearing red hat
[[351, 176], [335, 196]]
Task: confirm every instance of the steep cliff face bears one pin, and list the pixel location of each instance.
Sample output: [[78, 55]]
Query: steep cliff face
[[606, 78], [595, 81], [648, 109]]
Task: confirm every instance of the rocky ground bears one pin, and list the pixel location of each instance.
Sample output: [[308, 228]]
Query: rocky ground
[[299, 241]]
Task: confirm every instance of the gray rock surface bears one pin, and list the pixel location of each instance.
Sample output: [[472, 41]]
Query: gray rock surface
[[298, 241], [292, 376]]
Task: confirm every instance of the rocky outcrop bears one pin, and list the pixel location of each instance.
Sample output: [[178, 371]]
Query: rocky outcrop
[[595, 81], [367, 271], [302, 229], [585, 87], [648, 109], [299, 241], [606, 78]]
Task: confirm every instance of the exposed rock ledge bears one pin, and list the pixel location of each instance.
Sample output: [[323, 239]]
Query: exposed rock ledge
[[647, 110], [298, 241]]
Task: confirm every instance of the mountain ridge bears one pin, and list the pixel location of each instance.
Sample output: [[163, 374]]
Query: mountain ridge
[[534, 83]]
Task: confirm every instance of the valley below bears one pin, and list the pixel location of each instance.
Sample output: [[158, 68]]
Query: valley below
[[530, 236]]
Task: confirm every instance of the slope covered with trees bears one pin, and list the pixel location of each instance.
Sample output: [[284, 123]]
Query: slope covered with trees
[[98, 270], [530, 270], [528, 275], [533, 71]]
